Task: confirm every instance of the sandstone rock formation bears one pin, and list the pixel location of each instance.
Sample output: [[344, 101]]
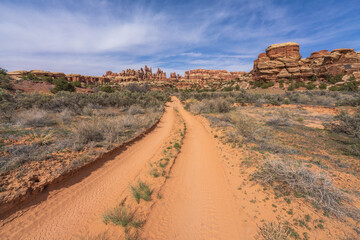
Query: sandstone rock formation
[[16, 75], [130, 75], [283, 61], [212, 75]]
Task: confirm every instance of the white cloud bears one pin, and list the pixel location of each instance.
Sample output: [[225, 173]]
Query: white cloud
[[94, 37]]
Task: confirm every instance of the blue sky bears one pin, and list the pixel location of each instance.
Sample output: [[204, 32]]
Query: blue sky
[[92, 36]]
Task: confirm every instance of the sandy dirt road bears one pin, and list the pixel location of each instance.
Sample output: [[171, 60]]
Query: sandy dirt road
[[198, 202], [67, 212]]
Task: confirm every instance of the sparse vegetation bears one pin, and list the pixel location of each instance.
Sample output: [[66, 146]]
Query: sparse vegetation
[[61, 84], [317, 187], [346, 123], [5, 82], [121, 216], [274, 230], [141, 191]]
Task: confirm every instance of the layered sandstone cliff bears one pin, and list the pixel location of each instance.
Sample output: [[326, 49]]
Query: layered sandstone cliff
[[198, 75], [55, 75], [283, 61]]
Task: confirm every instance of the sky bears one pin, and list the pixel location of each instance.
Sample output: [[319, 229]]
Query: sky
[[92, 36]]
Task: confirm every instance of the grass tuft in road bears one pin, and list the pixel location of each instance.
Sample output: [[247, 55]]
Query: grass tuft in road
[[141, 191]]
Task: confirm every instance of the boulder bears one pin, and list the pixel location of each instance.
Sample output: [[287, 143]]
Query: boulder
[[284, 50]]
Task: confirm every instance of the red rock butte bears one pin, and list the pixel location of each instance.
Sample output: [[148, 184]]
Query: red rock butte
[[283, 61]]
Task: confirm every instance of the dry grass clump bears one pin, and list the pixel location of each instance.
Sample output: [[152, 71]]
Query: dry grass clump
[[275, 147], [121, 216], [35, 118], [346, 123], [282, 118], [210, 106], [92, 131], [274, 231], [141, 191], [317, 187], [136, 109]]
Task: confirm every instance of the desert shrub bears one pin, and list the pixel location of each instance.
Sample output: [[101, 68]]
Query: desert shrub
[[260, 102], [128, 121], [274, 231], [228, 89], [77, 101], [31, 77], [282, 118], [248, 128], [323, 86], [61, 84], [135, 109], [3, 71], [47, 79], [334, 79], [65, 116], [23, 153], [5, 82], [34, 118], [267, 85], [299, 84], [352, 86], [107, 89], [276, 148], [210, 106], [291, 87], [317, 187], [346, 123], [92, 131], [313, 78], [135, 87], [310, 86]]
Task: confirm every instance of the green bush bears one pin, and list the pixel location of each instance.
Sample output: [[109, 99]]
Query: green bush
[[107, 89], [334, 79], [352, 86], [314, 78], [5, 82], [228, 89], [61, 84], [346, 123], [76, 84], [291, 87], [334, 88], [310, 86], [31, 77], [299, 84], [3, 71], [47, 79], [323, 86]]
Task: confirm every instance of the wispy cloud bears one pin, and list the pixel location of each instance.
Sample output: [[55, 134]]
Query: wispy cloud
[[93, 36]]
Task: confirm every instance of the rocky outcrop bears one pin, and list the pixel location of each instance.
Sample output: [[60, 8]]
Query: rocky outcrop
[[16, 75], [130, 75], [283, 61], [198, 75], [86, 79]]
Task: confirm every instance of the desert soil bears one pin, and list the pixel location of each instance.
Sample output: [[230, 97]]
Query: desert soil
[[197, 200]]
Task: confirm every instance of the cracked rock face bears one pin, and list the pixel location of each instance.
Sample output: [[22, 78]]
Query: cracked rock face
[[283, 61]]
